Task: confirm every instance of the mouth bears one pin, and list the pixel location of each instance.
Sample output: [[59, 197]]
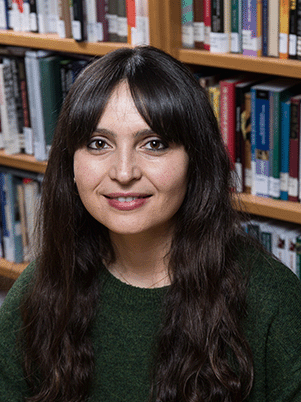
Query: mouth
[[127, 197], [127, 202]]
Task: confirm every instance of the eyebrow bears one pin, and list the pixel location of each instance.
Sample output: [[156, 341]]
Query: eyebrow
[[140, 133]]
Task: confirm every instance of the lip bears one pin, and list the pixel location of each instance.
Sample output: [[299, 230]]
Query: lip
[[139, 201]]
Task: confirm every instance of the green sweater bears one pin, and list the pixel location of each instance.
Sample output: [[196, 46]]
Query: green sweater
[[127, 323]]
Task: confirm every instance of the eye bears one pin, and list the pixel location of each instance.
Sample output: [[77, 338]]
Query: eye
[[155, 145], [98, 144]]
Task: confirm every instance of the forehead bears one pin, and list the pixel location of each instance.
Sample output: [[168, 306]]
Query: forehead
[[120, 109]]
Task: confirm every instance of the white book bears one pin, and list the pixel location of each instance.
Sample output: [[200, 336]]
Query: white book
[[140, 33], [35, 101], [91, 21], [8, 111], [51, 14], [42, 22], [31, 197], [3, 24]]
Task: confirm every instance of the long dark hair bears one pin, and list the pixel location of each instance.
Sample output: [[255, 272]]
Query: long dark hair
[[202, 354]]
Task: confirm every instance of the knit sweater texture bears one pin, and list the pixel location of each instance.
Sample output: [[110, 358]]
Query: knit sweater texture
[[127, 322]]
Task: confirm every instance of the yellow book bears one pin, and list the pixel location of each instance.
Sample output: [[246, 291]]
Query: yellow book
[[284, 28], [214, 98]]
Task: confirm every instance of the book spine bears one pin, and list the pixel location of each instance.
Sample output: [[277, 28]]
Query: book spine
[[78, 22], [227, 112], [236, 26], [262, 142], [299, 29], [122, 26], [254, 123], [112, 20], [275, 144], [41, 16], [293, 189], [273, 26], [8, 111], [219, 36], [239, 109], [33, 17], [265, 23], [285, 134], [207, 23], [51, 92], [246, 130], [198, 24], [35, 103], [3, 15], [284, 28], [187, 23], [252, 20], [102, 22], [293, 18], [64, 19], [91, 21]]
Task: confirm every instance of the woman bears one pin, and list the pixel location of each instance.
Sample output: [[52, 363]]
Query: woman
[[145, 287]]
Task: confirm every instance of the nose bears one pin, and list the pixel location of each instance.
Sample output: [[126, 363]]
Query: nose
[[124, 168]]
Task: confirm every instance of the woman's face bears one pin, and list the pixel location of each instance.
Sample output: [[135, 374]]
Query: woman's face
[[127, 178]]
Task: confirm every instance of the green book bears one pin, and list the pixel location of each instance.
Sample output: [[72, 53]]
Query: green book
[[236, 26], [51, 92]]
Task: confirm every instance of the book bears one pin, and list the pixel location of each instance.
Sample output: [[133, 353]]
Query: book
[[78, 20], [241, 129], [298, 5], [236, 26], [8, 111], [293, 188], [265, 27], [273, 28], [91, 21], [64, 29], [12, 237], [102, 21], [112, 16], [207, 24], [51, 15], [198, 24], [214, 98], [228, 113], [293, 18], [33, 77], [51, 95], [33, 16], [40, 7], [267, 100], [220, 26], [285, 139], [31, 197], [122, 26], [284, 13], [4, 23], [138, 22], [187, 23], [246, 134], [251, 27]]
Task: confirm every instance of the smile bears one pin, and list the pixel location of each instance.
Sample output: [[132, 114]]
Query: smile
[[127, 202]]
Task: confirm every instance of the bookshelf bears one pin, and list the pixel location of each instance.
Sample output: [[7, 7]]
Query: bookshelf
[[165, 33]]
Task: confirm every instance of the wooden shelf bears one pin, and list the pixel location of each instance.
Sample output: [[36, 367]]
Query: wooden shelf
[[283, 210], [10, 269], [54, 42], [263, 65], [22, 161]]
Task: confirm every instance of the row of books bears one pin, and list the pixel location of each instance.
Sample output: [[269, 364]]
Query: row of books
[[83, 20], [279, 238], [19, 197], [251, 27], [33, 85], [260, 123]]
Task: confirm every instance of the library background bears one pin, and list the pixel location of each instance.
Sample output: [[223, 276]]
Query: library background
[[245, 53]]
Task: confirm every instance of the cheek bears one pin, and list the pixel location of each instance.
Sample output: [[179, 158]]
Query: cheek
[[172, 179]]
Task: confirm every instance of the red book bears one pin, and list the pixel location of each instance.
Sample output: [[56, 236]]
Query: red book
[[293, 182], [228, 113], [207, 23]]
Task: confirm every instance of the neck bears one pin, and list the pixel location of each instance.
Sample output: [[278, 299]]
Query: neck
[[141, 260]]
